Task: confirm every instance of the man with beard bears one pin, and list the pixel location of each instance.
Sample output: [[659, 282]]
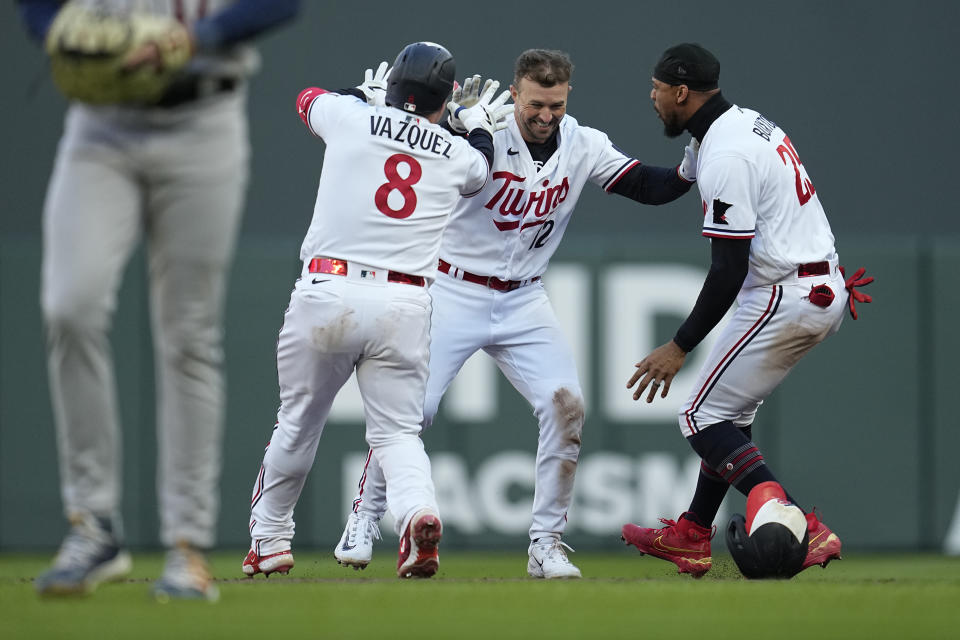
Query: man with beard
[[772, 251]]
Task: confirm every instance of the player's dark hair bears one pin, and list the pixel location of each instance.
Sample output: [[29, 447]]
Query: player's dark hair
[[546, 67]]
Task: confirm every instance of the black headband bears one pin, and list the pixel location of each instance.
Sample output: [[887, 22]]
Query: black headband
[[688, 64]]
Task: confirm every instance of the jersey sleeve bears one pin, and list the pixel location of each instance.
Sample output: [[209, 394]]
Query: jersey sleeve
[[323, 111], [611, 163], [728, 187]]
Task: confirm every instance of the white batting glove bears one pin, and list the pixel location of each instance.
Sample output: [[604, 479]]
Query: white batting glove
[[374, 85], [489, 113], [688, 168], [467, 95]]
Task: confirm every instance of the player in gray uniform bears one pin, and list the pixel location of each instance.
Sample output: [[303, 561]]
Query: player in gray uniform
[[773, 252], [173, 174]]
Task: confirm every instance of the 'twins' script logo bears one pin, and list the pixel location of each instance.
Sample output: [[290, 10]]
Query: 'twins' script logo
[[512, 201]]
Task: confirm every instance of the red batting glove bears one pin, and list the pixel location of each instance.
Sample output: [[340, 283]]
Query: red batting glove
[[851, 284]]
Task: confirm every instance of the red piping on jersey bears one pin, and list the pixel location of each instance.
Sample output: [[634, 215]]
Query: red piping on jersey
[[363, 481], [622, 173], [732, 235], [723, 361], [258, 490]]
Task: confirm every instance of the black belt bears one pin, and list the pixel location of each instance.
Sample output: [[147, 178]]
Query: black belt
[[193, 88]]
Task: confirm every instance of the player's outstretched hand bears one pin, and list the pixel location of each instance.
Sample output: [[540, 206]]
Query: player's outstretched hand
[[488, 113], [374, 85], [656, 370], [466, 95], [688, 168]]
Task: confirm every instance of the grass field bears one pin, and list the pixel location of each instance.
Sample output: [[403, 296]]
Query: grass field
[[488, 595]]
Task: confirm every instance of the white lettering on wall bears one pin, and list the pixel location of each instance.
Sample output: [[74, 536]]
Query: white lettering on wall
[[611, 490], [633, 296]]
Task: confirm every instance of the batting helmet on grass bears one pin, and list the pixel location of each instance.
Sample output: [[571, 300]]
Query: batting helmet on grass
[[771, 542]]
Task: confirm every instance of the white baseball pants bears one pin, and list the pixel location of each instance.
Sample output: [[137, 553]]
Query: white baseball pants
[[332, 327], [773, 327], [519, 329]]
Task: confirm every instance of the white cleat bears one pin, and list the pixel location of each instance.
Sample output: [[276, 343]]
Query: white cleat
[[549, 560], [355, 548]]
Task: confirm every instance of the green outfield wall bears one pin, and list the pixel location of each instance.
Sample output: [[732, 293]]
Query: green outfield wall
[[861, 429]]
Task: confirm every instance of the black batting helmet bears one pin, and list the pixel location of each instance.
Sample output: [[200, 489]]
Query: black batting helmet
[[421, 79], [772, 541]]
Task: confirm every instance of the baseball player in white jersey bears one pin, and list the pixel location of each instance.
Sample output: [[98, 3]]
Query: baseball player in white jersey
[[772, 252], [390, 178], [489, 294], [174, 172]]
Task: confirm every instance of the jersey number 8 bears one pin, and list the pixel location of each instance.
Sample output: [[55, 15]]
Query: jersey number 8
[[395, 182]]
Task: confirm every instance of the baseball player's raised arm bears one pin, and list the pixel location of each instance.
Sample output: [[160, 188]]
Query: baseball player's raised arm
[[241, 21], [730, 260], [305, 101], [481, 160], [651, 185], [38, 15], [482, 141]]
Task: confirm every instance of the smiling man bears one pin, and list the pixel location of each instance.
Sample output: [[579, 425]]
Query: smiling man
[[489, 294]]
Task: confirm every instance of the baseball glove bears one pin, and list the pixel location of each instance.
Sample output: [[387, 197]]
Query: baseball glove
[[90, 55]]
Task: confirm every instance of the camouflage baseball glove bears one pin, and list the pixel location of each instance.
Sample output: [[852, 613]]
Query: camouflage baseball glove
[[101, 58]]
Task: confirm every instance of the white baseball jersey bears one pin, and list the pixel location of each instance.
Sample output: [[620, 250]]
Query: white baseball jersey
[[389, 182], [510, 230], [525, 210], [753, 185]]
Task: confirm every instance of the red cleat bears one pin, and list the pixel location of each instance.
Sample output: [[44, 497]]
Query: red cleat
[[824, 544], [684, 543], [280, 562], [418, 557]]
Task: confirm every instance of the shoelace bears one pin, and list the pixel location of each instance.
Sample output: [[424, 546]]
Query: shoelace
[[79, 549], [669, 523], [187, 566], [673, 523], [369, 530], [555, 551]]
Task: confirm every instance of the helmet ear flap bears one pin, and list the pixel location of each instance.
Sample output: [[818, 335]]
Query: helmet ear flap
[[743, 548]]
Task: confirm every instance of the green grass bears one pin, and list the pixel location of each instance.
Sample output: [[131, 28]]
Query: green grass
[[487, 595]]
